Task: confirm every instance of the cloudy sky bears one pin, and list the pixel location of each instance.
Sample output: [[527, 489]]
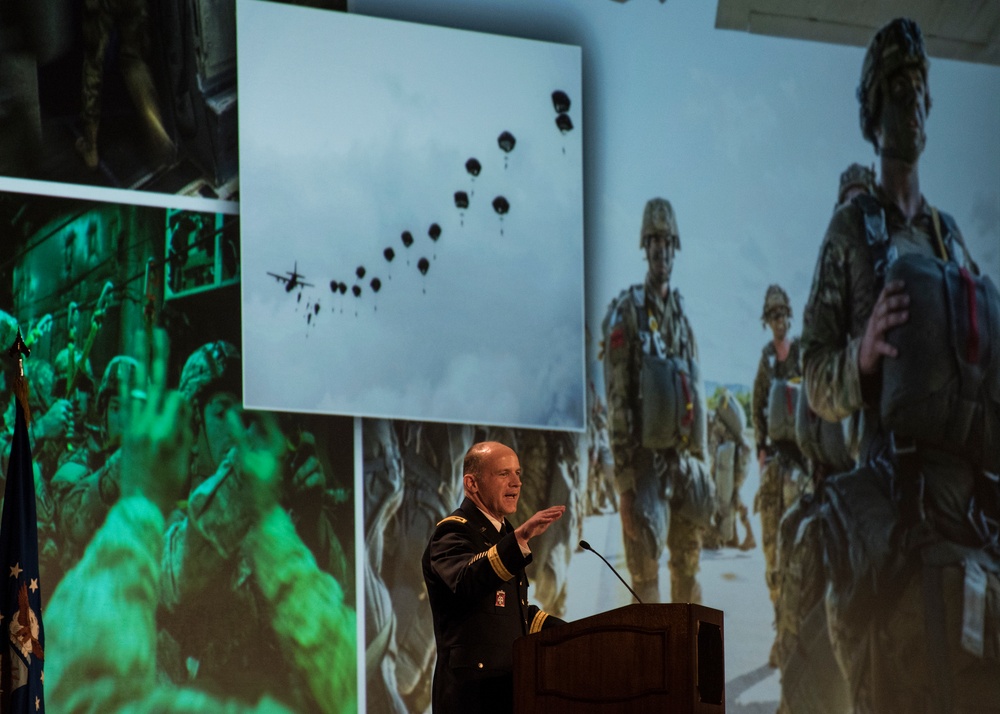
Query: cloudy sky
[[746, 135], [355, 129]]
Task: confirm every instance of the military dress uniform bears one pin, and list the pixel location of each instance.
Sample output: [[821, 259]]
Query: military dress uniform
[[478, 592], [639, 322]]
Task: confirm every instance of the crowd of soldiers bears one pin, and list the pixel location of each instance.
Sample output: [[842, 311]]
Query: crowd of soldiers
[[269, 562], [879, 495]]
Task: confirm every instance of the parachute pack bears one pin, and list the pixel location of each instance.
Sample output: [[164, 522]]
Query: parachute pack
[[782, 401], [821, 441], [944, 387], [673, 415]]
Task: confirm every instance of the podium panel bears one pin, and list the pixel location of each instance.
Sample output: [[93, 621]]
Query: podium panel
[[635, 659]]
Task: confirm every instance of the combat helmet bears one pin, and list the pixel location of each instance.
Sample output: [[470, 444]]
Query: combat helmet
[[119, 376], [659, 216], [775, 298], [897, 45], [8, 330], [856, 176], [213, 367]]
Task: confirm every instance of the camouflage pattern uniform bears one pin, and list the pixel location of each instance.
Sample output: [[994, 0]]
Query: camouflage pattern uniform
[[550, 475], [103, 641], [383, 474], [600, 461], [901, 646], [811, 681], [432, 482], [783, 475], [726, 442], [130, 18], [259, 642], [640, 321]]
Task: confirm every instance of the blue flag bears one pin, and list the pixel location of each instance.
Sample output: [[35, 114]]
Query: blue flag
[[22, 653]]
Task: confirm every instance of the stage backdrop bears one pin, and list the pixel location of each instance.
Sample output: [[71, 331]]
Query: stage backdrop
[[746, 135]]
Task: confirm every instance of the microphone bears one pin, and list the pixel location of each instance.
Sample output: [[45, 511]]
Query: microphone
[[586, 546]]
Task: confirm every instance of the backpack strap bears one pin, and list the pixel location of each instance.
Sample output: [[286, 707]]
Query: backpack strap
[[876, 235]]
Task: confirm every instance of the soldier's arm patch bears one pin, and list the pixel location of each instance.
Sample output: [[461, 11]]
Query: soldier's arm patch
[[498, 567], [617, 338], [456, 519], [538, 621]]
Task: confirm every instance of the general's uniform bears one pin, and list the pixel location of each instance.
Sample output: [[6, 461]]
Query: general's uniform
[[478, 592]]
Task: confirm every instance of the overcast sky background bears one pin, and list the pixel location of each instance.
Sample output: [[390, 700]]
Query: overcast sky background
[[354, 129], [747, 136]]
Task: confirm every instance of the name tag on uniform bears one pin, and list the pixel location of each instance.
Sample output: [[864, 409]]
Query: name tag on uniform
[[501, 598]]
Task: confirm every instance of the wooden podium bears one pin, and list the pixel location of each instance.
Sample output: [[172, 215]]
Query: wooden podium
[[667, 659]]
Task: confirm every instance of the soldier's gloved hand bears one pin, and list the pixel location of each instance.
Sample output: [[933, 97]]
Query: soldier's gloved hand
[[258, 455], [54, 423], [309, 476], [625, 507], [156, 444], [890, 309]]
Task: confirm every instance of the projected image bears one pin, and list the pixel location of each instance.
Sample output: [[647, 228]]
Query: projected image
[[136, 95], [412, 220], [721, 161], [258, 508]]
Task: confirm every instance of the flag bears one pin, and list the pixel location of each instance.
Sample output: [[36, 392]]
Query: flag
[[22, 652]]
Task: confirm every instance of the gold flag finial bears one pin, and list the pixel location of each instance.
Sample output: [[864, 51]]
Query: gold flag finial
[[20, 350]]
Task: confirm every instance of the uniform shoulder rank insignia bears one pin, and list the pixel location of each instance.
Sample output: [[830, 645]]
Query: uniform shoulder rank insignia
[[456, 519]]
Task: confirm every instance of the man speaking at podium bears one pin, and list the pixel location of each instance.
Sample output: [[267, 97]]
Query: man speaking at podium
[[478, 591]]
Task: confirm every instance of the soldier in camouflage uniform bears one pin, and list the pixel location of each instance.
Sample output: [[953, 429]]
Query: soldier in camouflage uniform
[[648, 320], [102, 620], [781, 464], [811, 681], [86, 487], [129, 19], [927, 637], [210, 564], [730, 452]]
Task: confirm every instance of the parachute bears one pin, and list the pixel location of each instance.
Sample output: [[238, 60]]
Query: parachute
[[474, 167], [560, 101], [500, 205], [356, 290], [407, 238], [564, 123], [360, 272], [423, 265], [506, 141], [389, 254], [434, 231], [461, 200], [376, 284]]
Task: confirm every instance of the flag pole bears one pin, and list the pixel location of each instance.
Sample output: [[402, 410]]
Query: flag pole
[[19, 350]]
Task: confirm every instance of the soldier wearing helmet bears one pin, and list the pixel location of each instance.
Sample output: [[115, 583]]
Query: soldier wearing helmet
[[212, 383], [658, 441], [900, 643], [855, 179], [782, 475]]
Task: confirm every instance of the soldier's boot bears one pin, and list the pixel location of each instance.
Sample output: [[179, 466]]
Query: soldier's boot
[[86, 145], [749, 542], [647, 590], [684, 588], [143, 93]]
